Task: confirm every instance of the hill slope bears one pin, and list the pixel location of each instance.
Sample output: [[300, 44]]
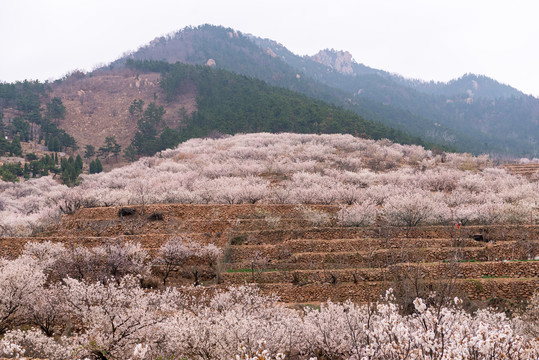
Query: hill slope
[[194, 100], [379, 177], [97, 106]]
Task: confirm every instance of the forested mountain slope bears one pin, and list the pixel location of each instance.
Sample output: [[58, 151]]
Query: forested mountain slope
[[231, 50], [473, 113], [499, 118], [230, 103], [148, 106]]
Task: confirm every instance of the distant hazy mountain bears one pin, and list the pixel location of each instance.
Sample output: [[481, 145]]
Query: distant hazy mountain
[[473, 113], [471, 84], [498, 117]]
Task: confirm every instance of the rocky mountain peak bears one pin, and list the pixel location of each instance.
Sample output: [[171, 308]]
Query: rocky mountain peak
[[340, 61]]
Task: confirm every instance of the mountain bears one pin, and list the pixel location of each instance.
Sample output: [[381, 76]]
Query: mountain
[[473, 113], [230, 103], [148, 106], [471, 84], [98, 111], [228, 49], [341, 62], [498, 117]]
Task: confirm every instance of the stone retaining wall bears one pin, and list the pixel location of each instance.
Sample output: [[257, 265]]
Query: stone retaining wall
[[437, 271], [483, 289]]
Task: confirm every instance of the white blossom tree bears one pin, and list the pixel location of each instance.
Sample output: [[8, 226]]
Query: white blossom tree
[[19, 279]]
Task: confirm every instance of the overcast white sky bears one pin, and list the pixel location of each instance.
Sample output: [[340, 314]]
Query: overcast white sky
[[426, 39]]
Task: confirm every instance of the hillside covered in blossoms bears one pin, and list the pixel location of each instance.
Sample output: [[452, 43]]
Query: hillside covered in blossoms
[[403, 184], [151, 260]]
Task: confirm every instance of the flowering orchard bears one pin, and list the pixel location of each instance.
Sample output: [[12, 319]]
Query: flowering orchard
[[62, 301], [402, 184], [46, 313]]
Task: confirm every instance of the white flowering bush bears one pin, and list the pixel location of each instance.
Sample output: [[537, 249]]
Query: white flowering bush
[[19, 279], [176, 251], [315, 217], [363, 214], [10, 350], [34, 343], [260, 354]]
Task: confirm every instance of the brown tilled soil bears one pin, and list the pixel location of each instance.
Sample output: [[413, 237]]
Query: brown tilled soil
[[277, 248]]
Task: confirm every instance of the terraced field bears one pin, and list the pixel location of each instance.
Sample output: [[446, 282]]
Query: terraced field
[[303, 259], [526, 170]]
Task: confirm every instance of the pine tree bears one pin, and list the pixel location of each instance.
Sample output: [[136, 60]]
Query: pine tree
[[89, 152], [98, 166], [116, 150], [54, 144], [145, 141], [26, 173], [4, 145], [130, 153], [78, 164], [55, 108], [68, 174], [92, 167], [15, 149], [36, 168], [63, 164], [1, 124]]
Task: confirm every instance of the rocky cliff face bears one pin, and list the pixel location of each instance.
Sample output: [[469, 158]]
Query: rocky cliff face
[[340, 61]]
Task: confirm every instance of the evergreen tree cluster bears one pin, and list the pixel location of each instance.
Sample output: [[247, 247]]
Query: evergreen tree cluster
[[96, 166], [34, 167], [70, 170], [56, 139], [149, 122], [110, 148], [13, 147], [11, 172], [43, 166], [26, 98]]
